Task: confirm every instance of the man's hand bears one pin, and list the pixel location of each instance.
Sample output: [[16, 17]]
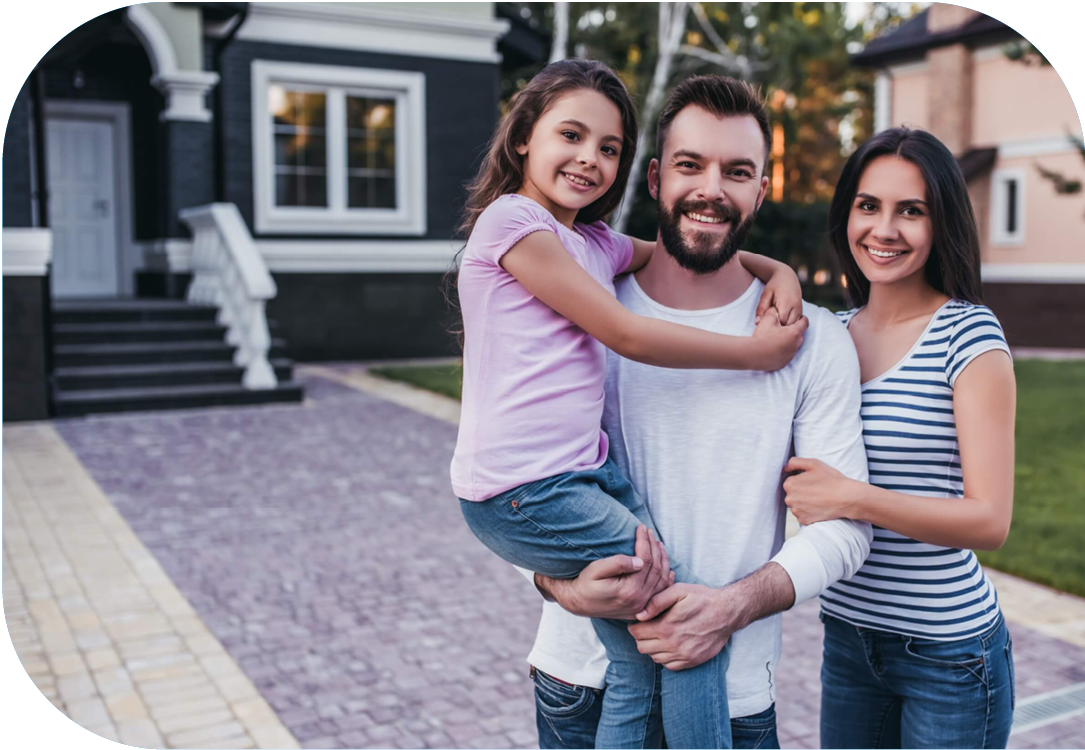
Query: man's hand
[[687, 624], [615, 587]]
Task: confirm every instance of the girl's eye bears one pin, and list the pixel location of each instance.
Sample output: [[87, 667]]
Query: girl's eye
[[570, 134], [610, 151]]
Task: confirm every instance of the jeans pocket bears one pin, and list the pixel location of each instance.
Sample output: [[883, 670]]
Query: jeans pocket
[[557, 700], [967, 653], [1013, 678]]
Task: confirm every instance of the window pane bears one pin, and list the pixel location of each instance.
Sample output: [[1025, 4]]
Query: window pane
[[366, 114], [297, 108], [371, 192], [1011, 206], [384, 192], [371, 152], [294, 189]]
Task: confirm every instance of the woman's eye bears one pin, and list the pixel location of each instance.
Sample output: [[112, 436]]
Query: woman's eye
[[867, 206], [912, 212]]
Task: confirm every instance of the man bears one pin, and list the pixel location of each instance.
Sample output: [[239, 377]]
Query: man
[[706, 448]]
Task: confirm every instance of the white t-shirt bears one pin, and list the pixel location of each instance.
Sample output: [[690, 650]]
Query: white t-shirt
[[705, 449]]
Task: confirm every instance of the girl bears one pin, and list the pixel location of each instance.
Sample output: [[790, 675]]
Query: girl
[[536, 291], [916, 651]]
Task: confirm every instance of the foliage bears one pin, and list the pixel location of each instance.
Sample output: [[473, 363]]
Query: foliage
[[445, 379]]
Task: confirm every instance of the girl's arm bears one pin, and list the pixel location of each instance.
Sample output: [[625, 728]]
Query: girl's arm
[[642, 251], [544, 267], [984, 404], [782, 288]]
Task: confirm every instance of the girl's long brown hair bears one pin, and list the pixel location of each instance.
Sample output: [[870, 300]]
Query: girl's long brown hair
[[502, 169]]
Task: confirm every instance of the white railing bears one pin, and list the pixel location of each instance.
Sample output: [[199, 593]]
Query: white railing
[[229, 273]]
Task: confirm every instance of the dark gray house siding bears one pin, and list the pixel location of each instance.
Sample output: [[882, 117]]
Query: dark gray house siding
[[18, 201]]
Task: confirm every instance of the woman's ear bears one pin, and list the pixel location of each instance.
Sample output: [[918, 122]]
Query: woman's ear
[[521, 148]]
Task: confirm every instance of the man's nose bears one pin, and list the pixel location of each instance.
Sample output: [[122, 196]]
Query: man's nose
[[711, 187]]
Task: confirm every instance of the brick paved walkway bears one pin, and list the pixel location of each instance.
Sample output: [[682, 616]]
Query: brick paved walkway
[[319, 545]]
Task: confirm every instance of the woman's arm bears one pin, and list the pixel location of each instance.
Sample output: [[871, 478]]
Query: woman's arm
[[782, 288], [984, 406], [545, 268]]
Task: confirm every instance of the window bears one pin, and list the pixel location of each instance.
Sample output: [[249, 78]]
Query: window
[[338, 150], [1008, 207]]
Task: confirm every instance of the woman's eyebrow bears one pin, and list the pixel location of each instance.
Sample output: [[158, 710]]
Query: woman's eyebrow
[[586, 129], [906, 202]]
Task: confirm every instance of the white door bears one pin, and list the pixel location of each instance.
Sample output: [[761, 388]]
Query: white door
[[82, 207]]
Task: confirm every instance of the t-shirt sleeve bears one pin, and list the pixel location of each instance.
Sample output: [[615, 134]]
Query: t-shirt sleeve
[[974, 333], [505, 222], [828, 427], [617, 246]]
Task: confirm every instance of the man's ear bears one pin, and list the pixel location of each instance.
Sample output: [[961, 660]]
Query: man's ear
[[653, 178], [761, 194]]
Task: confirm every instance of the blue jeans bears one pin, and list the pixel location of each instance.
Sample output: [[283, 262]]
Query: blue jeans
[[557, 526], [567, 717], [885, 690]]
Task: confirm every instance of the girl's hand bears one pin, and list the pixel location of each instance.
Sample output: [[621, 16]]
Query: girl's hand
[[783, 292], [818, 492], [776, 345]]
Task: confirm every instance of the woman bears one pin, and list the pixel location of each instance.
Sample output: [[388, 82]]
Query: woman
[[916, 651]]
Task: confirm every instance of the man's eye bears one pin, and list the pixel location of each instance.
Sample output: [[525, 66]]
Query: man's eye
[[741, 173], [687, 165]]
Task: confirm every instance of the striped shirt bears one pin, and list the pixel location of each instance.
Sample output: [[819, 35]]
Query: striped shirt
[[907, 586]]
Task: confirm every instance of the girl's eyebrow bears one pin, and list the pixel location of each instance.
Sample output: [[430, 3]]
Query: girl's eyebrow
[[586, 129], [908, 202]]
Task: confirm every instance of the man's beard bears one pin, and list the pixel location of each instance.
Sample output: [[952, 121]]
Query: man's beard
[[709, 251]]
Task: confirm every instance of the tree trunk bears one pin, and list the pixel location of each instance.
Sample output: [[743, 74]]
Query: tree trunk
[[672, 27], [561, 32]]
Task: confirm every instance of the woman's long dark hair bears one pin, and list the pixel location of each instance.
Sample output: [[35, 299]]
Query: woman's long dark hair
[[954, 264]]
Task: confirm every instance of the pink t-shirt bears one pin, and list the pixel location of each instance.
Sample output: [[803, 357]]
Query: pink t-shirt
[[532, 380]]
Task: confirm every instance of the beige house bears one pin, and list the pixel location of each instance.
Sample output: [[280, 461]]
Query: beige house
[[946, 71]]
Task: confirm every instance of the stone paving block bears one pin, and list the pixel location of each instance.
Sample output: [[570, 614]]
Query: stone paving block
[[273, 737], [87, 713], [213, 733], [102, 658], [108, 731], [161, 698], [191, 721], [69, 663], [76, 687], [139, 733], [112, 680], [163, 711], [126, 707], [243, 741]]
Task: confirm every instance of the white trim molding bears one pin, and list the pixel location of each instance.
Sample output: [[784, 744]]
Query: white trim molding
[[379, 256], [322, 256], [1000, 193], [26, 251], [883, 101], [186, 94], [993, 52], [154, 38], [358, 26], [167, 255], [1043, 146], [407, 89], [1033, 273]]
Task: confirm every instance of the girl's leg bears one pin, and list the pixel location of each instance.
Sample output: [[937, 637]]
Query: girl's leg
[[857, 709], [957, 694], [557, 526]]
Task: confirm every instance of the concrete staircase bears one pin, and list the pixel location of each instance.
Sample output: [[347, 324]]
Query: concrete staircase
[[146, 354]]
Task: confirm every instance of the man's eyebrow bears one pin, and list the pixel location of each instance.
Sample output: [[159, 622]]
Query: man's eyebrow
[[586, 129], [685, 153], [907, 202]]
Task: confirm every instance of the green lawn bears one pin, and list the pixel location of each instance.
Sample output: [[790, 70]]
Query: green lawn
[[1047, 540]]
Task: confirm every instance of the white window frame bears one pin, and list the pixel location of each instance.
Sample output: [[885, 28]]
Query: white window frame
[[408, 89], [999, 233]]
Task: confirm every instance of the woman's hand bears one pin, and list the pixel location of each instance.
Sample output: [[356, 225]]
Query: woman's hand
[[818, 492], [783, 292]]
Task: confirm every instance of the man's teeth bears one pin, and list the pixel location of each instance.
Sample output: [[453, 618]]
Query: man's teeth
[[706, 219], [578, 180], [883, 253]]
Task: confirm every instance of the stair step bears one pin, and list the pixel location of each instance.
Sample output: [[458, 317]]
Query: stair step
[[158, 375], [77, 355], [130, 310], [134, 332], [80, 403]]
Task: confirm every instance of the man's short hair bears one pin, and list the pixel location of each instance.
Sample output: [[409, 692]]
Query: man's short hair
[[723, 97]]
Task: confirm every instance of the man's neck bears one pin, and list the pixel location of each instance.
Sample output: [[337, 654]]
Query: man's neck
[[670, 285]]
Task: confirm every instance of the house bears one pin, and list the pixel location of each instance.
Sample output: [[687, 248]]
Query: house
[[197, 193], [946, 71]]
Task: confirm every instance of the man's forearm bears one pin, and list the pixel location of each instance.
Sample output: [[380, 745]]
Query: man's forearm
[[763, 593]]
